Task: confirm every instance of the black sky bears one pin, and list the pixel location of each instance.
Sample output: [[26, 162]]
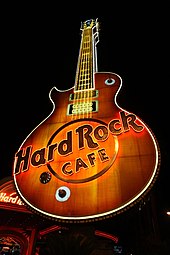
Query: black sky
[[39, 50]]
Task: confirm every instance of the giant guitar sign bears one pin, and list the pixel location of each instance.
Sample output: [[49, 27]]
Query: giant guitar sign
[[89, 159]]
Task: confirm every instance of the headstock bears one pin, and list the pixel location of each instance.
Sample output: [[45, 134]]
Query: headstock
[[92, 24]]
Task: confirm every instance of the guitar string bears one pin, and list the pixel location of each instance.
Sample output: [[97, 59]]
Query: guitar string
[[82, 99], [87, 75], [81, 77], [83, 102], [76, 94], [85, 105], [91, 72]]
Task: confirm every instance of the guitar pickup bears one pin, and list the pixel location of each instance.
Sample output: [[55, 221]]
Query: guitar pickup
[[84, 94], [83, 107]]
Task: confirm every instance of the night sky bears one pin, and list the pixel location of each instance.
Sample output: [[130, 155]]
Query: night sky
[[39, 50]]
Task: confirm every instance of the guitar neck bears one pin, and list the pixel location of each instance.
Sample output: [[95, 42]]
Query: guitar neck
[[87, 61]]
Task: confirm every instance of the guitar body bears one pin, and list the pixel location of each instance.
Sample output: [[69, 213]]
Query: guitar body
[[80, 164]]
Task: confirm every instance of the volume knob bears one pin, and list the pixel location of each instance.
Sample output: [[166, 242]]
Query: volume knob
[[45, 177]]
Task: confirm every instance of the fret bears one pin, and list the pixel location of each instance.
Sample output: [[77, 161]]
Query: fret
[[84, 81], [85, 56], [84, 73], [84, 94]]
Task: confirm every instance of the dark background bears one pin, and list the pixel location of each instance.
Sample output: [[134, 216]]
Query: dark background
[[39, 50]]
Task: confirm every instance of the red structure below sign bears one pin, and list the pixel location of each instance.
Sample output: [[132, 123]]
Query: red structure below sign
[[22, 230]]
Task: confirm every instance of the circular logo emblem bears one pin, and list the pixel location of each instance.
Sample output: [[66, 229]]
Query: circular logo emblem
[[85, 150]]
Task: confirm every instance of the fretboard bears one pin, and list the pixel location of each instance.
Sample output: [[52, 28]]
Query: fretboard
[[87, 61]]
